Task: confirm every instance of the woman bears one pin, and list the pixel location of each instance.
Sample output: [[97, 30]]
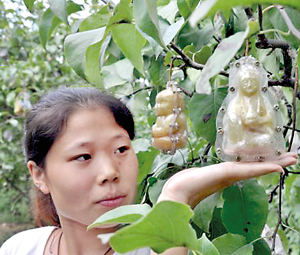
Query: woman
[[79, 154]]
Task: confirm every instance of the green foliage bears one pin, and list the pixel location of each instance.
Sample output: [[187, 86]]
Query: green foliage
[[27, 71], [126, 49]]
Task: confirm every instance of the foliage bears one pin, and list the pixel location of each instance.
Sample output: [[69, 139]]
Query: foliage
[[27, 71], [129, 48]]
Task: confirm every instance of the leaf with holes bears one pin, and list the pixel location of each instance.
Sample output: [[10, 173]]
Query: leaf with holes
[[245, 204]]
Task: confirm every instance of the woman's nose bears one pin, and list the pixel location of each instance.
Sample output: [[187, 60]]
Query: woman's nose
[[107, 172]]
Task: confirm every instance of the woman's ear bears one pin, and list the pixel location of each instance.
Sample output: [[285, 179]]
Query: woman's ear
[[38, 177]]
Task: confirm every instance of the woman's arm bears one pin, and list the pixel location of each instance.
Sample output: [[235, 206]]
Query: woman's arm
[[192, 185]]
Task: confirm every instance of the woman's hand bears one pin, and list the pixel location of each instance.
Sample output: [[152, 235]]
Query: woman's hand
[[192, 185]]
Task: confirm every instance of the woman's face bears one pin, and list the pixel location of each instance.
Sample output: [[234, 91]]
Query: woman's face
[[91, 167]]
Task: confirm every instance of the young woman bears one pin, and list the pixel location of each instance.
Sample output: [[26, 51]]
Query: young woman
[[79, 154]]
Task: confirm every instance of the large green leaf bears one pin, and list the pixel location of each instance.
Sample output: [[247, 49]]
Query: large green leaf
[[146, 18], [203, 110], [203, 212], [172, 30], [145, 159], [59, 8], [229, 243], [50, 21], [210, 7], [207, 247], [122, 215], [118, 73], [130, 42], [94, 21], [92, 67], [245, 209], [221, 57], [76, 46], [165, 226]]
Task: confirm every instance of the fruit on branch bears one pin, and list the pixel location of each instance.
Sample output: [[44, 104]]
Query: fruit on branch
[[253, 25], [169, 132]]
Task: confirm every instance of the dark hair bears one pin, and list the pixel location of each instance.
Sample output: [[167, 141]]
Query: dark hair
[[45, 122]]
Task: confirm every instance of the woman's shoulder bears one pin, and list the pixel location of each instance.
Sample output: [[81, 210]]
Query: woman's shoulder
[[30, 241]]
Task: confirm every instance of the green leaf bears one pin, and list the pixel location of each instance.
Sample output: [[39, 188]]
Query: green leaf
[[186, 7], [119, 73], [261, 247], [92, 67], [229, 243], [122, 215], [210, 7], [221, 57], [207, 247], [165, 226], [155, 190], [48, 23], [95, 21], [146, 18], [141, 144], [76, 46], [29, 4], [203, 212], [145, 159], [246, 204], [158, 71], [59, 8], [130, 42], [203, 110], [172, 31], [202, 55], [123, 13]]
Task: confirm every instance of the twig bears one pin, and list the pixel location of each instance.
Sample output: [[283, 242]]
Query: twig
[[282, 177], [288, 21], [285, 82], [265, 43], [291, 172], [260, 17], [294, 108], [190, 62], [273, 193], [297, 130]]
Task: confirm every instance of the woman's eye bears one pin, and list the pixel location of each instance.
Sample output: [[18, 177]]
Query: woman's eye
[[83, 157], [122, 149]]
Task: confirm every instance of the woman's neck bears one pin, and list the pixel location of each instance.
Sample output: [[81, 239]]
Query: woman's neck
[[76, 240]]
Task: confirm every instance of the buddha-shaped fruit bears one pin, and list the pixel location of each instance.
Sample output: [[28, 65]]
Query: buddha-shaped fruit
[[169, 132], [249, 122]]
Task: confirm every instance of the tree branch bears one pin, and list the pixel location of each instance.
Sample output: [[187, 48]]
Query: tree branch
[[294, 108], [190, 62], [294, 31], [265, 43]]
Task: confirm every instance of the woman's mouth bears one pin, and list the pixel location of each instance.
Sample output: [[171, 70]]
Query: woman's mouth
[[112, 201]]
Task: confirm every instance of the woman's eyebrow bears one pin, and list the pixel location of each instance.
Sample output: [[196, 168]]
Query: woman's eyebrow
[[85, 144]]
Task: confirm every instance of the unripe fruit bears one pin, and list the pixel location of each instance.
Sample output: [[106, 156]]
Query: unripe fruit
[[253, 25]]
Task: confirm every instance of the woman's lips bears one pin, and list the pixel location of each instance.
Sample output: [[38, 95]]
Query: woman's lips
[[114, 201]]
